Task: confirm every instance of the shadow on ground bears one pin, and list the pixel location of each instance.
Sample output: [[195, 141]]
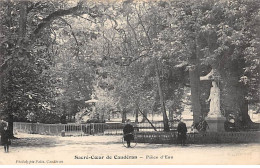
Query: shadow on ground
[[52, 141], [34, 142]]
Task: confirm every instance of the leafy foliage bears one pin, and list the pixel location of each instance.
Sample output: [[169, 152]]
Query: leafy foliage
[[58, 54]]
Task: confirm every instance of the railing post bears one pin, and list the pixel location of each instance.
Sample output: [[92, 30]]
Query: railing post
[[57, 129], [81, 130], [15, 126], [31, 128], [93, 128], [116, 128], [103, 129]]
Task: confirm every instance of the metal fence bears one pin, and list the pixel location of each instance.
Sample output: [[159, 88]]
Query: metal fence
[[38, 128], [86, 129], [198, 138], [146, 127]]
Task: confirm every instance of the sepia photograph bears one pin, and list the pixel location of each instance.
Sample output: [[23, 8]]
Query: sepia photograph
[[129, 82]]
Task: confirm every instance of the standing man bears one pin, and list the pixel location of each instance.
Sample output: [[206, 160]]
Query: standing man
[[5, 139], [182, 130], [128, 133]]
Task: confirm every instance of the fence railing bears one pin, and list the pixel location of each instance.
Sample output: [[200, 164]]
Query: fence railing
[[198, 138], [38, 128], [159, 125], [85, 129]]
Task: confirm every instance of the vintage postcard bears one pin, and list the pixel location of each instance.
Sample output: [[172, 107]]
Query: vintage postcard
[[129, 82]]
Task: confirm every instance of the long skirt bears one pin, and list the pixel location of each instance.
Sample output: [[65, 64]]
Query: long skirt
[[182, 137], [128, 137]]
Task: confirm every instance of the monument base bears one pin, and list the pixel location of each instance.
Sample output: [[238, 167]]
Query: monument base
[[216, 124]]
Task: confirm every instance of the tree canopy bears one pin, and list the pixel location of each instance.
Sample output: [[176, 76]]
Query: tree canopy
[[55, 55]]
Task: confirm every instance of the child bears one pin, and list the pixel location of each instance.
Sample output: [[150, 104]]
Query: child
[[5, 139]]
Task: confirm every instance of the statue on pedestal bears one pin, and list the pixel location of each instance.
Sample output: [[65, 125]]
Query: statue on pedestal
[[214, 118], [214, 99]]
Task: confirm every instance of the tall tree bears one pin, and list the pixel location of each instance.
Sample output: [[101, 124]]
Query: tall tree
[[27, 90]]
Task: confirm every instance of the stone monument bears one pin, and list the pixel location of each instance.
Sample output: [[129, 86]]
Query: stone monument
[[214, 118]]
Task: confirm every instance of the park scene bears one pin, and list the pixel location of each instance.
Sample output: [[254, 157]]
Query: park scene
[[129, 82]]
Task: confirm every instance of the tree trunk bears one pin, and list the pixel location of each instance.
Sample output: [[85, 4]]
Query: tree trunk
[[194, 75], [195, 93], [11, 125], [2, 77], [165, 118], [144, 115], [124, 115], [170, 114], [233, 93], [22, 20], [109, 115], [171, 118], [20, 44], [136, 115], [205, 86]]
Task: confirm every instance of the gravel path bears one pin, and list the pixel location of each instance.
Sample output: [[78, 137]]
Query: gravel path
[[53, 150]]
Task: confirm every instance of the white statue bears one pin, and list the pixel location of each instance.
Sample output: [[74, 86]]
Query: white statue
[[214, 98]]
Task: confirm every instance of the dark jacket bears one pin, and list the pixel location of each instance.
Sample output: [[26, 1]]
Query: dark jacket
[[5, 137], [127, 130], [182, 130]]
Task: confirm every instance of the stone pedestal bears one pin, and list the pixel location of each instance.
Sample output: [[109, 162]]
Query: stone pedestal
[[216, 124]]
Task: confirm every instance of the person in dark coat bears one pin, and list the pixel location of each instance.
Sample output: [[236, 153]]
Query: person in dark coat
[[182, 130], [128, 133], [5, 139]]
